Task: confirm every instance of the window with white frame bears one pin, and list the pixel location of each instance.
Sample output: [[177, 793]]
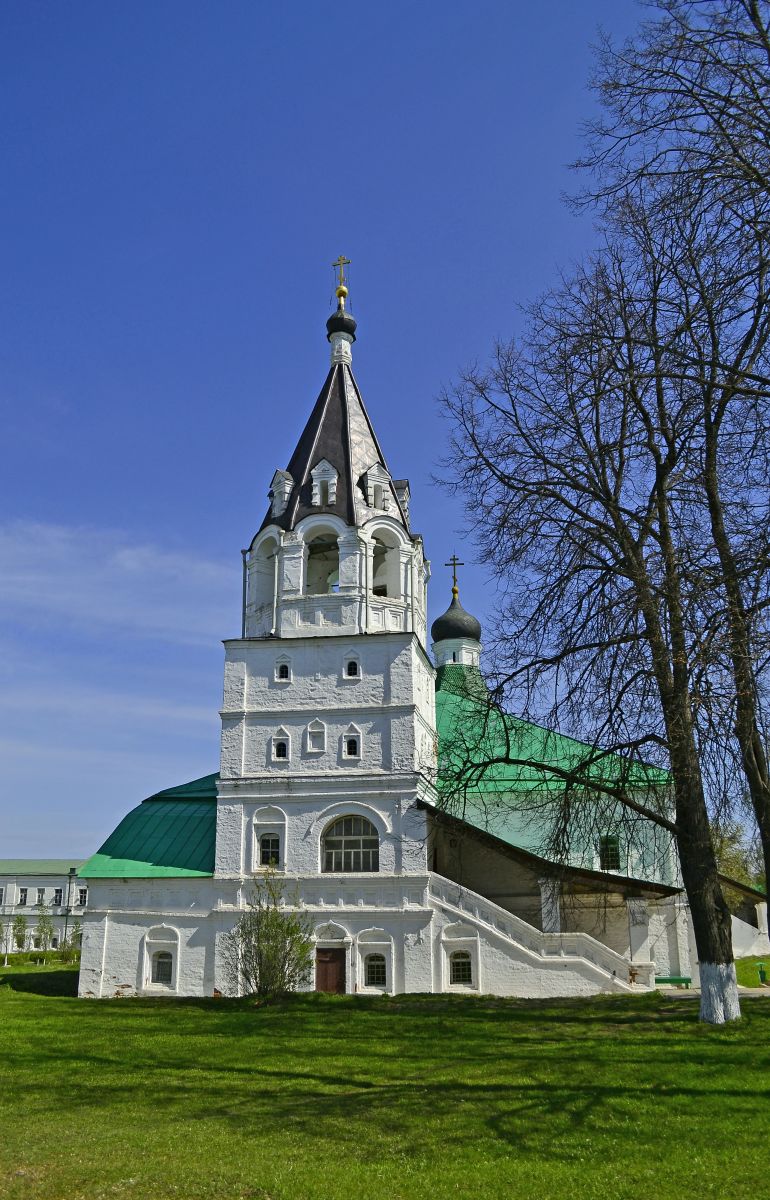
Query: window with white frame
[[281, 746], [375, 972], [350, 844], [82, 896], [316, 737], [162, 967], [461, 968], [269, 850], [283, 670], [22, 897], [352, 667], [2, 895], [351, 742], [57, 895], [40, 895]]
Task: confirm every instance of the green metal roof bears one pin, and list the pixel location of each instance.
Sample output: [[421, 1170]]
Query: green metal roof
[[170, 834], [472, 732], [173, 833], [38, 866]]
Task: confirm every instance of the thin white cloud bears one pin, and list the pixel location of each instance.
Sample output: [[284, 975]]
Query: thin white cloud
[[85, 578], [93, 703]]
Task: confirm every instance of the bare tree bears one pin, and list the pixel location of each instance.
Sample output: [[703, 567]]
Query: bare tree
[[686, 123], [686, 98], [582, 456]]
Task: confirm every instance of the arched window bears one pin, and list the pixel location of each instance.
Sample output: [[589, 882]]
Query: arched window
[[281, 746], [460, 968], [351, 742], [323, 565], [316, 737], [162, 963], [282, 671], [269, 850], [352, 668], [386, 565], [375, 973], [351, 844], [262, 574]]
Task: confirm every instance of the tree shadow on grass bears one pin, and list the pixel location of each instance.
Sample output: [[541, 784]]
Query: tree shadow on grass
[[55, 982]]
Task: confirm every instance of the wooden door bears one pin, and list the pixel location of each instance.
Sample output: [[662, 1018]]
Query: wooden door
[[330, 971]]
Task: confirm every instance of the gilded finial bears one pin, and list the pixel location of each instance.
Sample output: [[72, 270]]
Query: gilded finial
[[454, 563], [339, 264]]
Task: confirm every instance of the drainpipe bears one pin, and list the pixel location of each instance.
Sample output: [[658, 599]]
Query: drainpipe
[[70, 878]]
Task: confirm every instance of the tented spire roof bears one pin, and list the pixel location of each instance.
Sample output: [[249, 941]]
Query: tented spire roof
[[340, 433]]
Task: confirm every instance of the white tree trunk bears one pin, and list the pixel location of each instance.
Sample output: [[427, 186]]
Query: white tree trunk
[[718, 993]]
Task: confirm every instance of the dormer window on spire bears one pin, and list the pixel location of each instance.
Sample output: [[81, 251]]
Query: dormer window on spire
[[377, 488], [280, 490], [324, 481]]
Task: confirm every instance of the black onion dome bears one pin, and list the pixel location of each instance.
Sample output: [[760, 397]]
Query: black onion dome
[[455, 623], [341, 322]]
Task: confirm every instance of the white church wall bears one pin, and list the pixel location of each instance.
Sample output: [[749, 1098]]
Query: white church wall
[[748, 940], [401, 827], [395, 716]]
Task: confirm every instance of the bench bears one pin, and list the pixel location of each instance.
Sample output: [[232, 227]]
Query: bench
[[674, 980]]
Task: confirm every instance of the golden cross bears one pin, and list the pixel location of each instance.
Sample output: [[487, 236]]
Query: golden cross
[[454, 563], [339, 264]]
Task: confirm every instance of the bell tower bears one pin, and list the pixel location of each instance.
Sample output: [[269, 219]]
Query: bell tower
[[335, 553], [329, 693]]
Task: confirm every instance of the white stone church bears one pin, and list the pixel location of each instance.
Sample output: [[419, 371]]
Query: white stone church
[[334, 712]]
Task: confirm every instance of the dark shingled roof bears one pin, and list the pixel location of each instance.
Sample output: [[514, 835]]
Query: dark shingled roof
[[328, 435]]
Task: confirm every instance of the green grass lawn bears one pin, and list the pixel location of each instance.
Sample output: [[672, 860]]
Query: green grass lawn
[[746, 970], [327, 1097]]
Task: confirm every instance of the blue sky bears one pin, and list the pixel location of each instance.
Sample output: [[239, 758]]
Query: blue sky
[[177, 178]]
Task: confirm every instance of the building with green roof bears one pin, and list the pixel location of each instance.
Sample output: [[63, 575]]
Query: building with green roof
[[29, 886], [343, 727]]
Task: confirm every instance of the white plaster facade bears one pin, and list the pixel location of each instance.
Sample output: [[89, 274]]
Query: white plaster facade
[[24, 886], [329, 712]]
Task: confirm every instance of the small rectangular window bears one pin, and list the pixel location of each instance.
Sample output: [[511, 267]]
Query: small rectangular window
[[57, 895], [2, 895], [82, 896], [22, 896], [460, 969], [40, 895], [609, 853], [376, 975], [269, 850]]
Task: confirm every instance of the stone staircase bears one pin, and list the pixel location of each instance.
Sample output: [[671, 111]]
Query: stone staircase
[[579, 953]]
